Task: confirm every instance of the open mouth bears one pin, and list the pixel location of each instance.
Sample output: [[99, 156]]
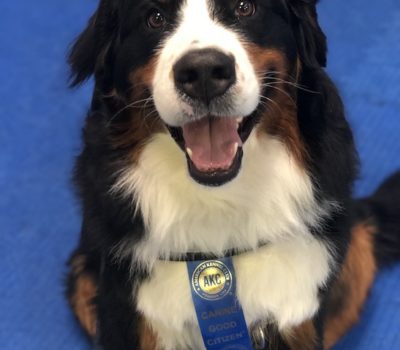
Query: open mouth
[[214, 147]]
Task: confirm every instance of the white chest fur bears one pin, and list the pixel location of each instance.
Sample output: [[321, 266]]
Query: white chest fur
[[271, 200], [278, 282]]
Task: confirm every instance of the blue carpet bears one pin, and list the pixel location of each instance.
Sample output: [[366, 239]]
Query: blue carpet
[[39, 138]]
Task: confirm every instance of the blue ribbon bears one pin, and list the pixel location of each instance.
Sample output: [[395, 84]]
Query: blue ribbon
[[219, 314]]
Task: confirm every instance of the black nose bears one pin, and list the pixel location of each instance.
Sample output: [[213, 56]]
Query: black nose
[[205, 74]]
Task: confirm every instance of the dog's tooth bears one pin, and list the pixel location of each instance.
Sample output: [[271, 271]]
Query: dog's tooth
[[189, 152], [236, 146]]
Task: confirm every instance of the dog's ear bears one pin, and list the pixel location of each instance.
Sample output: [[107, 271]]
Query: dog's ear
[[89, 51], [311, 41]]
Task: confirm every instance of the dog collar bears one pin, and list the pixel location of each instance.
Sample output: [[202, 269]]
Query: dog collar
[[197, 256]]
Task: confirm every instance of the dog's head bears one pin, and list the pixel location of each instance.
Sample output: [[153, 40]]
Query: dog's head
[[210, 72]]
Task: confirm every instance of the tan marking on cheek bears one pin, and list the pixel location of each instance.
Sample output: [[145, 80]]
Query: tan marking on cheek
[[302, 337], [142, 79], [137, 132], [148, 339], [280, 120], [280, 116], [351, 288], [140, 121], [264, 59]]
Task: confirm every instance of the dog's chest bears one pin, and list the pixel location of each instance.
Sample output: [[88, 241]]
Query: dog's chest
[[277, 283], [272, 200]]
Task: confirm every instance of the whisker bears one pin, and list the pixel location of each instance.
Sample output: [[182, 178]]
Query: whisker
[[270, 101], [282, 91], [298, 86], [134, 104], [292, 83], [268, 76], [266, 103], [147, 116]]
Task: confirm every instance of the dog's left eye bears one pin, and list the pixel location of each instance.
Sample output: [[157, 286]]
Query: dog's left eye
[[245, 8], [155, 19]]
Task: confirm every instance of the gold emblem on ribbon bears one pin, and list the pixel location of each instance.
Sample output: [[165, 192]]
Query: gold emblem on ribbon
[[212, 280]]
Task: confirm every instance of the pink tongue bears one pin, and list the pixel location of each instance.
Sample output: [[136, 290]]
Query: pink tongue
[[212, 142]]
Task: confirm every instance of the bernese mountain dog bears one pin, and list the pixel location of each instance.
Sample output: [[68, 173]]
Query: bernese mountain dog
[[215, 133]]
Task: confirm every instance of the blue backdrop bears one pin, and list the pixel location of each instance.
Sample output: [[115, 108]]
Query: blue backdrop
[[39, 138]]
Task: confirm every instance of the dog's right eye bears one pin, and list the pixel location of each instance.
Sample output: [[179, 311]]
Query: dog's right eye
[[245, 8], [155, 19]]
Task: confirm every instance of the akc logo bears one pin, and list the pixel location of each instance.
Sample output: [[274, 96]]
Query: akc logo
[[212, 280]]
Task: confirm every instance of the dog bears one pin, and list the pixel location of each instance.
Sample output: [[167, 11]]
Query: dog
[[214, 132]]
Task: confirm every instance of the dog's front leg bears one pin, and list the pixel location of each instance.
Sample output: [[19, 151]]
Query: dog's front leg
[[305, 336], [118, 320]]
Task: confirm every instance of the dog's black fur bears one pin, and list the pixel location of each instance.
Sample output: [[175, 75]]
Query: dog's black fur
[[103, 50]]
